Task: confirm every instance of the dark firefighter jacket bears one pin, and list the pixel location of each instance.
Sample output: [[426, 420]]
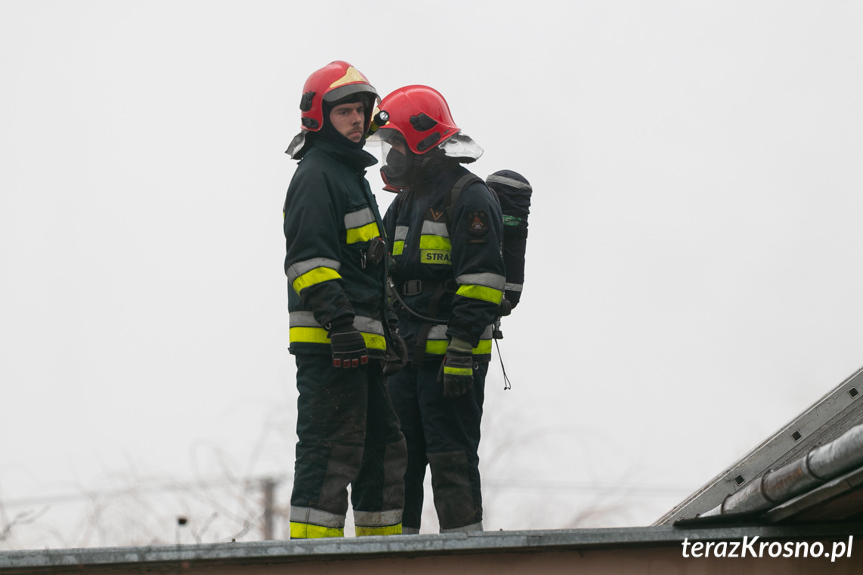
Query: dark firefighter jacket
[[458, 264], [330, 217]]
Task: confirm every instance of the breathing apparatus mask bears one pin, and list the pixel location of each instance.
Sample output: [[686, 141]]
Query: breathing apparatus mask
[[396, 167], [401, 166]]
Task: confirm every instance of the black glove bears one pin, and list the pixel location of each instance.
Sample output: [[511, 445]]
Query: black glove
[[393, 366], [456, 370], [349, 347]]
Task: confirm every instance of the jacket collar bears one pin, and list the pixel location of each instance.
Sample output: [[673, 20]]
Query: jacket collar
[[355, 158]]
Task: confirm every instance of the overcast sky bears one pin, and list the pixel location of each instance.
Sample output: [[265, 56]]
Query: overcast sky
[[694, 270]]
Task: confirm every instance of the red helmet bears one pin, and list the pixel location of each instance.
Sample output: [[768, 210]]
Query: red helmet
[[421, 115], [418, 120], [333, 82]]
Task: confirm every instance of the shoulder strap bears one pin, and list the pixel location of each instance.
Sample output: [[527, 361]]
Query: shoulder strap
[[454, 193]]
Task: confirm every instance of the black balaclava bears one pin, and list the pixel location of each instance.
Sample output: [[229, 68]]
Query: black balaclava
[[329, 133]]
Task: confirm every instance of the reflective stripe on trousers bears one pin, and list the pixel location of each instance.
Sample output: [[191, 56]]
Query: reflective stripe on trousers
[[308, 523], [348, 435], [442, 433], [378, 523]]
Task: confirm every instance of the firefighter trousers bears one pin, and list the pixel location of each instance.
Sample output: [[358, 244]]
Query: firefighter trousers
[[348, 435], [443, 434]]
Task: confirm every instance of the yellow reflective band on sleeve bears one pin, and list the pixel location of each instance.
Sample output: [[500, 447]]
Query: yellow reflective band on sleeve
[[309, 335], [398, 248], [457, 370], [481, 292], [363, 234], [388, 530], [374, 341], [484, 347], [314, 277], [308, 531], [320, 335], [438, 347]]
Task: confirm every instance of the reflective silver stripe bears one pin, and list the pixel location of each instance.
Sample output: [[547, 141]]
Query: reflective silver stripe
[[306, 266], [368, 325], [359, 219], [508, 182], [401, 233], [512, 287], [377, 518], [434, 229], [466, 529], [488, 280], [437, 332], [362, 323], [437, 342], [410, 530], [316, 517], [303, 319]]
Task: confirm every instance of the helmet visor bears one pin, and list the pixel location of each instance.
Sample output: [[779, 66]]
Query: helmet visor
[[394, 152], [394, 147]]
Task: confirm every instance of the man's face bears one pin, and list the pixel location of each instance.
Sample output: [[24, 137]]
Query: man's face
[[349, 120]]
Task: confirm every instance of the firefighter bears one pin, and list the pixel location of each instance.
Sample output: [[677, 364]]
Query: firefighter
[[347, 428], [448, 274]]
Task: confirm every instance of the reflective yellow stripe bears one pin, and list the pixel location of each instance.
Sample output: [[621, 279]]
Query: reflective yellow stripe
[[363, 234], [309, 335], [388, 530], [320, 335], [457, 370], [481, 292], [435, 250], [435, 243], [398, 248], [374, 341], [484, 347], [308, 531], [314, 277], [486, 279], [438, 347]]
